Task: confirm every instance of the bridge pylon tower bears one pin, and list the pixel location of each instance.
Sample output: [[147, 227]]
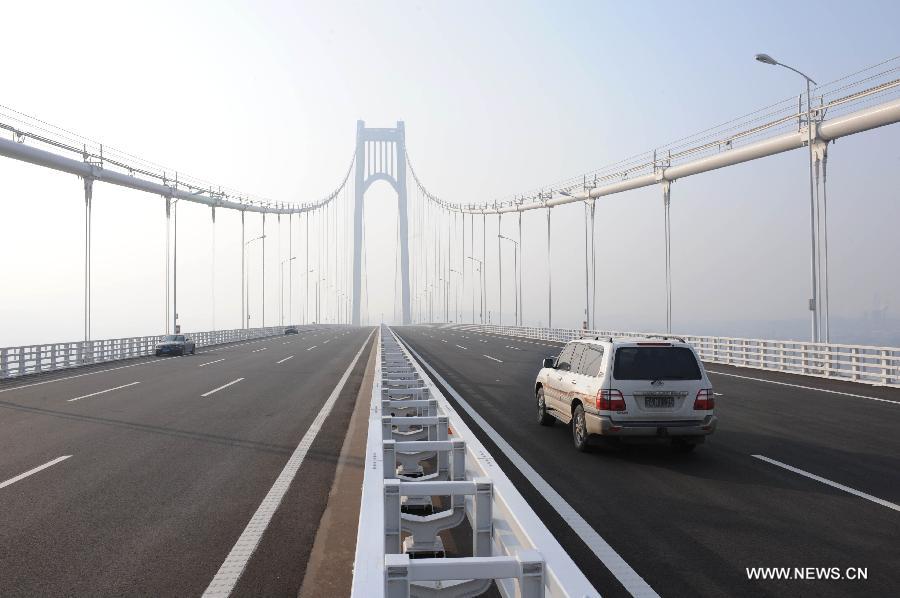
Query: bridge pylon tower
[[380, 155]]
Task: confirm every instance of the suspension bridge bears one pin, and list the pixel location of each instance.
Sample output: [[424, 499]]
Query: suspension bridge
[[267, 463]]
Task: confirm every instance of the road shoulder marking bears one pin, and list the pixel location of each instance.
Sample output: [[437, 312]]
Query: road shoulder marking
[[22, 476], [233, 567], [206, 394], [812, 476], [100, 392]]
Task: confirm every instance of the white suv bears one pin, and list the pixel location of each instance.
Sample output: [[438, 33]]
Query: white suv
[[632, 389]]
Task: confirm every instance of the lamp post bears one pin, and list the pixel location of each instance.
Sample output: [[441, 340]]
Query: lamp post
[[281, 290], [814, 300], [480, 287], [246, 281], [457, 313], [318, 280], [515, 272], [306, 300]]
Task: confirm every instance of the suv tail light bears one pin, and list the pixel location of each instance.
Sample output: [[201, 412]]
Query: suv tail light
[[704, 400], [610, 400]]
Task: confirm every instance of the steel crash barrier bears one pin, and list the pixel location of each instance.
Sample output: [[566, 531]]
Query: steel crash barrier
[[855, 363], [34, 359], [426, 473]]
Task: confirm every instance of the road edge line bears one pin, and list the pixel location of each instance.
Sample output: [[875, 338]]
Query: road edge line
[[229, 573], [346, 489]]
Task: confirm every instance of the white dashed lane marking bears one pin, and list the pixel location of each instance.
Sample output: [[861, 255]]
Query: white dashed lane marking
[[206, 394], [22, 476], [100, 392]]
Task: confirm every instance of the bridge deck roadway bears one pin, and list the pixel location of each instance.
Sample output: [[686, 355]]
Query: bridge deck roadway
[[691, 524], [162, 480]]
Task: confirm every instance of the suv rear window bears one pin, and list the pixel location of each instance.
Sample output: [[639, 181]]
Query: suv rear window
[[655, 363]]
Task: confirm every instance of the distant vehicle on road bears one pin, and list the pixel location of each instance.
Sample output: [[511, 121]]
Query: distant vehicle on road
[[291, 330], [175, 344], [629, 389]]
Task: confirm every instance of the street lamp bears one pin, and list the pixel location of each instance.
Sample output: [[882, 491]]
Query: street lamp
[[247, 281], [480, 289], [281, 290], [515, 272], [814, 301], [306, 298], [458, 313]]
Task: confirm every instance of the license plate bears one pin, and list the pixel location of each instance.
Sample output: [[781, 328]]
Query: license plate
[[659, 402]]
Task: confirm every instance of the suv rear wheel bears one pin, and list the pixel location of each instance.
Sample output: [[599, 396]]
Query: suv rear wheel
[[544, 418], [579, 429]]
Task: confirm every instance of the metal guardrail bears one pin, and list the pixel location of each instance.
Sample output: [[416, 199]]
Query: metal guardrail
[[855, 363], [418, 448], [34, 359]]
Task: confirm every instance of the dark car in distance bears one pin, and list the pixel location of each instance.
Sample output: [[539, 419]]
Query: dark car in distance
[[175, 344], [291, 330]]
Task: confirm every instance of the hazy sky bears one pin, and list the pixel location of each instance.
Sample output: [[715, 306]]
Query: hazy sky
[[497, 97]]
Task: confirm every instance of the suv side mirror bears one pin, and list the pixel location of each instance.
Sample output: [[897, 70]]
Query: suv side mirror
[[549, 362]]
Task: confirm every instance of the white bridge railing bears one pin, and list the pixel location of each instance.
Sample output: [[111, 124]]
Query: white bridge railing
[[33, 359], [856, 363], [425, 473]]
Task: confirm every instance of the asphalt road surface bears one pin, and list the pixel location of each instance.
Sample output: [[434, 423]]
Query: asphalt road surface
[[691, 525], [152, 468]]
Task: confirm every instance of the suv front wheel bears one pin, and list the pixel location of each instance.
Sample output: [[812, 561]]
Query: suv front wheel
[[544, 418], [579, 429]]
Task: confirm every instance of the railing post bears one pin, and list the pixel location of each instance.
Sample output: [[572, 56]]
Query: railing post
[[531, 578], [482, 526], [396, 575], [389, 464], [392, 516]]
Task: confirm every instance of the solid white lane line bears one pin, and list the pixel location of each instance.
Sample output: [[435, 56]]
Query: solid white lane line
[[285, 359], [94, 394], [847, 489], [313, 347], [133, 365], [230, 571], [621, 570], [258, 350], [22, 476], [206, 394], [461, 347], [833, 392], [210, 363], [494, 358]]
